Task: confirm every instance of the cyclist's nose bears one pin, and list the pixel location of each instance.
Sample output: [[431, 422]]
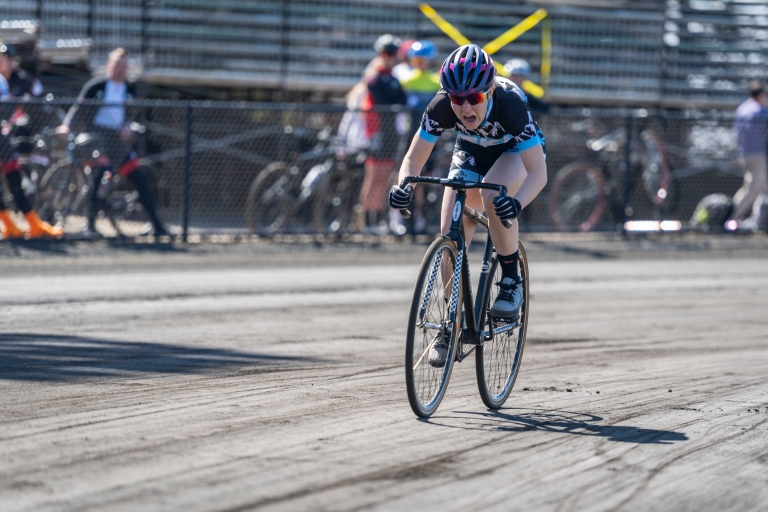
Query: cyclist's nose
[[466, 108]]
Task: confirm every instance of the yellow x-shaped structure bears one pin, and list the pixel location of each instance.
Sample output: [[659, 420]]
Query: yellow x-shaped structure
[[501, 41]]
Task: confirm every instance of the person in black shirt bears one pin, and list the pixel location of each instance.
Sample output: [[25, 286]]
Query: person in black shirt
[[112, 126], [381, 89], [518, 70], [497, 141], [15, 147]]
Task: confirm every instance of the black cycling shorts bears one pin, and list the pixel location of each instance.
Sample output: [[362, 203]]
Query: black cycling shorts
[[479, 159]]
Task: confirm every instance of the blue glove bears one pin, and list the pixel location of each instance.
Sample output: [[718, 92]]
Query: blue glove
[[507, 208], [400, 198]]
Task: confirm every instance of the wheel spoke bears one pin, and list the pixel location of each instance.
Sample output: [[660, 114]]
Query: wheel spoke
[[427, 378]]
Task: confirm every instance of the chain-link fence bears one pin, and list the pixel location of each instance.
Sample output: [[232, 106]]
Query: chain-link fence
[[274, 169], [661, 52]]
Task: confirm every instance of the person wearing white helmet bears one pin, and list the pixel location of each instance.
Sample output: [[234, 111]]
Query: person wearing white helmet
[[518, 70], [381, 89]]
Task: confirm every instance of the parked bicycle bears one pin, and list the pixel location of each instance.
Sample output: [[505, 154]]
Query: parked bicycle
[[581, 191], [312, 190], [443, 307], [66, 185]]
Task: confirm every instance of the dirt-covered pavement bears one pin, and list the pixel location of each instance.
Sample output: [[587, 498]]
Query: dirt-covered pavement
[[271, 378]]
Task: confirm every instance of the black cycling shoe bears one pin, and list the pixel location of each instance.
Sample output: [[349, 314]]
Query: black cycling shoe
[[438, 354], [509, 300]]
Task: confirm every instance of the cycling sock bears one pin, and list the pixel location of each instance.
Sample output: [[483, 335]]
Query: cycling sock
[[509, 265], [19, 197], [147, 200]]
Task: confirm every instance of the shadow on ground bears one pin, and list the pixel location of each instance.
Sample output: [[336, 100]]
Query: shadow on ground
[[561, 422], [47, 357]]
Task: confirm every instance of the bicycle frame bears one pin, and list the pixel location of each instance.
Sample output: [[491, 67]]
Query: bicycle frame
[[474, 334]]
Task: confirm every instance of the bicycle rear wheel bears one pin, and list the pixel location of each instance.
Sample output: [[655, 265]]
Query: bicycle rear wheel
[[334, 202], [438, 289], [62, 191], [577, 199], [270, 198], [498, 359]]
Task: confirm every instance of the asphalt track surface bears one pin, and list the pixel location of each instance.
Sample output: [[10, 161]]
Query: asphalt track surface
[[278, 384]]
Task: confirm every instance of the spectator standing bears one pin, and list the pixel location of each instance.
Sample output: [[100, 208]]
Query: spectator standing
[[403, 67], [518, 70], [751, 129], [420, 86], [381, 89], [15, 147], [112, 126]]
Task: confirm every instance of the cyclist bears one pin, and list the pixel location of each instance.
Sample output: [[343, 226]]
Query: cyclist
[[15, 148], [497, 141], [112, 126], [518, 70], [381, 89], [420, 86]]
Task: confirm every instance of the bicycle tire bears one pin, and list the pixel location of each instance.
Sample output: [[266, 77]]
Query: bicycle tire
[[577, 200], [268, 204], [655, 175], [62, 191], [334, 202], [496, 364], [426, 383], [122, 206]]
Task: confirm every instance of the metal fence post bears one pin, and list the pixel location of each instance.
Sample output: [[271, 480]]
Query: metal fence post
[[284, 48], [627, 175], [89, 26], [187, 173]]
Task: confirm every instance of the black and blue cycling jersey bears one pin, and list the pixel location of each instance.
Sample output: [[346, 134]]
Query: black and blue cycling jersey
[[508, 125]]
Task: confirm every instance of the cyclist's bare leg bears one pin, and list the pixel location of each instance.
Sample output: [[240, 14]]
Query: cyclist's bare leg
[[508, 170]]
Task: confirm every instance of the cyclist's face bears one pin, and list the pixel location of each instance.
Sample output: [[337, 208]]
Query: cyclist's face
[[518, 79], [5, 66], [471, 116], [420, 63], [388, 59], [117, 68]]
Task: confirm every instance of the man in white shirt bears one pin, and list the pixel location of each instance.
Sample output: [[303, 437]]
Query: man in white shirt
[[111, 125]]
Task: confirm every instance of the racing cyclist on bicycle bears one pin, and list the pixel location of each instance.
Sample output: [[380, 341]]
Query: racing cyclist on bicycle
[[497, 142]]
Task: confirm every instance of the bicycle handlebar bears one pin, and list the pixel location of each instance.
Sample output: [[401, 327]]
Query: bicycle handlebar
[[454, 185]]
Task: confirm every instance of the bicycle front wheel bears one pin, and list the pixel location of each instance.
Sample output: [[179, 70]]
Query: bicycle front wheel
[[499, 358], [269, 199], [577, 198], [433, 327], [61, 192]]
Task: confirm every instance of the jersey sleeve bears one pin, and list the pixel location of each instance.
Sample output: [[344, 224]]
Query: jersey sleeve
[[524, 128], [437, 118]]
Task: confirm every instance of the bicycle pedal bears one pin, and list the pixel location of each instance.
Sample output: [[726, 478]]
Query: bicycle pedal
[[509, 320]]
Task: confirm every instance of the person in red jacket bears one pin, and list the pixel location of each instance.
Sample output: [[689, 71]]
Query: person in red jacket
[[381, 89]]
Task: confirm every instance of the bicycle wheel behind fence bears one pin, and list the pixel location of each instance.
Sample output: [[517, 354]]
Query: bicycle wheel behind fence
[[498, 360], [426, 376], [577, 200]]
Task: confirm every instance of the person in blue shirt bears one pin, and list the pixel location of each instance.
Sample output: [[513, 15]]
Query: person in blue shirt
[[751, 129]]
